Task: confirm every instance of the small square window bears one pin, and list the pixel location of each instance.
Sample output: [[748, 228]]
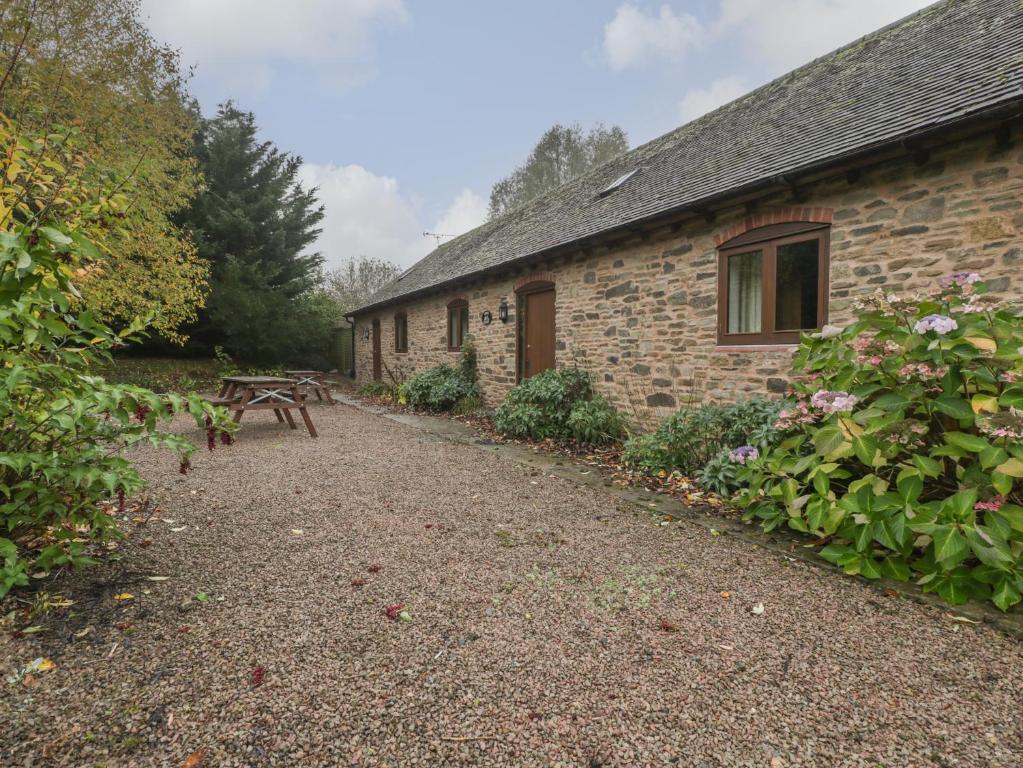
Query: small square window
[[773, 284]]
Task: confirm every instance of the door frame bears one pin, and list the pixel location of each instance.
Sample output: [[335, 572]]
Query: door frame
[[521, 292], [377, 342]]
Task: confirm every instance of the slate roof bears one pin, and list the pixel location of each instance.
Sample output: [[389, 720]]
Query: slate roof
[[951, 61]]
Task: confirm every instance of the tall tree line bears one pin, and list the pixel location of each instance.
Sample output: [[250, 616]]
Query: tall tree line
[[254, 224], [560, 155], [92, 65]]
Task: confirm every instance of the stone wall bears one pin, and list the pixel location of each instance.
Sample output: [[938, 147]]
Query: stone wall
[[641, 314]]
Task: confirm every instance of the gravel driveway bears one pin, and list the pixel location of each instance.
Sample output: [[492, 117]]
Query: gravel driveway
[[549, 626]]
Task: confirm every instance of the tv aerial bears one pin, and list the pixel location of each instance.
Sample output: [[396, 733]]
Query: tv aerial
[[437, 236]]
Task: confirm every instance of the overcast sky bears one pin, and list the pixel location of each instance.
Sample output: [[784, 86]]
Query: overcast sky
[[407, 111]]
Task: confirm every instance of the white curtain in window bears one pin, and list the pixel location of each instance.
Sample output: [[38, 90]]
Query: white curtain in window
[[745, 292]]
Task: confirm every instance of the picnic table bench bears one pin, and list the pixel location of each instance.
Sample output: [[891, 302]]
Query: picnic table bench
[[314, 381], [253, 393]]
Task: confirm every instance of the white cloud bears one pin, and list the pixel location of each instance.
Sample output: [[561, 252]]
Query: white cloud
[[782, 34], [788, 33], [635, 37], [468, 211], [700, 101], [367, 214], [238, 43]]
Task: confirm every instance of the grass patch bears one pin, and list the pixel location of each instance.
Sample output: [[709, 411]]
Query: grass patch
[[164, 374]]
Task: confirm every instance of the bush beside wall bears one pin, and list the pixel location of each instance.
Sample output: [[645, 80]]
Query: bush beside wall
[[558, 404]]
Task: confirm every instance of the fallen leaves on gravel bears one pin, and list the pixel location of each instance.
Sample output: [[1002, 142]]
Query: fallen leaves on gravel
[[358, 582], [124, 596], [963, 619], [194, 759], [393, 611], [726, 595], [297, 531], [257, 675], [757, 609], [26, 675], [667, 626], [375, 568]]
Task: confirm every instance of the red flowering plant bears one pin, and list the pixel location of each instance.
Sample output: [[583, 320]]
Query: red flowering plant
[[904, 449]]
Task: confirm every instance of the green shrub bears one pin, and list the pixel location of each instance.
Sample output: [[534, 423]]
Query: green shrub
[[595, 422], [468, 405], [720, 475], [379, 390], [539, 407], [63, 478], [437, 389], [905, 447], [445, 387], [558, 403], [694, 437]]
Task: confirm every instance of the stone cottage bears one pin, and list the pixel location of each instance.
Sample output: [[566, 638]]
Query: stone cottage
[[689, 266]]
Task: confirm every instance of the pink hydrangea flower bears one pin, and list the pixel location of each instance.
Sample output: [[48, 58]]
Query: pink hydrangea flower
[[960, 279], [833, 402], [743, 453], [991, 505], [940, 324]]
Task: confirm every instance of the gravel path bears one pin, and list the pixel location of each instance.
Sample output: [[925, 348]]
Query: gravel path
[[549, 627]]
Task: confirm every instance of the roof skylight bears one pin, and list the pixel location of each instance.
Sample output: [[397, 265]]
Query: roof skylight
[[617, 183]]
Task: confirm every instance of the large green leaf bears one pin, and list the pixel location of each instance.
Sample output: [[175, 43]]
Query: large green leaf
[[1012, 397], [1001, 482], [968, 442], [1006, 594], [950, 546], [955, 588], [953, 406], [910, 486], [927, 465], [828, 439], [1012, 468], [1012, 515], [891, 401], [866, 450], [895, 568]]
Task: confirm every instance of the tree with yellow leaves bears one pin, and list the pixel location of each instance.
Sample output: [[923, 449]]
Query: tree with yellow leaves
[[93, 65]]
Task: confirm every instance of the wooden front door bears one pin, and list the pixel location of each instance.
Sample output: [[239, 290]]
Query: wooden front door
[[536, 341], [376, 351]]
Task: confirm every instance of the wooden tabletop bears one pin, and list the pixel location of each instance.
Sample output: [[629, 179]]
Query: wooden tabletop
[[257, 380], [304, 373]]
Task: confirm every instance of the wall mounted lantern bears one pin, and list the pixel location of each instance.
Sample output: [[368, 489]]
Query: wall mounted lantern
[[502, 311], [365, 332]]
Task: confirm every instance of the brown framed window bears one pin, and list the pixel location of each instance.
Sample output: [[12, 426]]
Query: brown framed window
[[773, 284], [458, 324], [401, 332]]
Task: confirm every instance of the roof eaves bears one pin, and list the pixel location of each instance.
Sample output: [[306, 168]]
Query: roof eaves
[[997, 109]]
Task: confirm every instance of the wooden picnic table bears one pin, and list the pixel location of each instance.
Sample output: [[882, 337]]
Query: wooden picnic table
[[254, 393], [315, 381]]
